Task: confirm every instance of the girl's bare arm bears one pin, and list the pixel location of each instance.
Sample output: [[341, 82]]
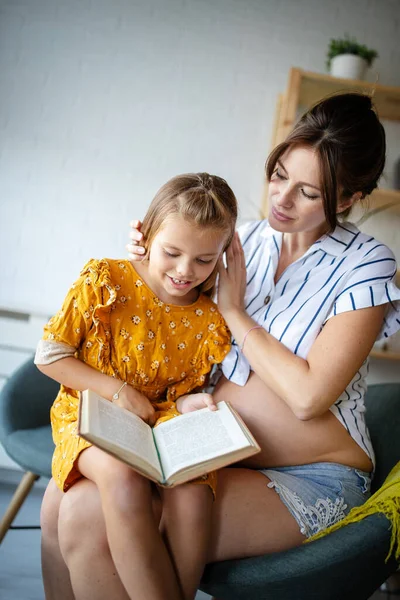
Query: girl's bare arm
[[75, 374]]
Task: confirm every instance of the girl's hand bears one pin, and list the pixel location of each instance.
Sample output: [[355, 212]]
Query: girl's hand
[[137, 403], [191, 402], [135, 248], [232, 279]]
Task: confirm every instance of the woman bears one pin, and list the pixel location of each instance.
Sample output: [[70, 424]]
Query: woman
[[318, 294]]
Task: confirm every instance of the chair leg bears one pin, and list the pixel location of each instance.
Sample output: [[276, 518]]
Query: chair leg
[[17, 500]]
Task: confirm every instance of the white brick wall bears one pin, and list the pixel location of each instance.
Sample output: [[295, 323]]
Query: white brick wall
[[101, 102]]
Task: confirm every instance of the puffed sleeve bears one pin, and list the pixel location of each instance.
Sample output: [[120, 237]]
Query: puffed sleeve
[[215, 345], [86, 308], [372, 283]]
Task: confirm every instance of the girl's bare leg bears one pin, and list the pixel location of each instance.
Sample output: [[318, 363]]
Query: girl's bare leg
[[136, 546], [185, 523], [56, 580]]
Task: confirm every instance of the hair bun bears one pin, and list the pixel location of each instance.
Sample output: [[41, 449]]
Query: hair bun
[[359, 102]]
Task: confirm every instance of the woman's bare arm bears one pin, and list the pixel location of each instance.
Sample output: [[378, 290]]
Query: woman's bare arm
[[308, 386]]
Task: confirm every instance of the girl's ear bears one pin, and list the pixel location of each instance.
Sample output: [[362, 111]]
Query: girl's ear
[[348, 202]]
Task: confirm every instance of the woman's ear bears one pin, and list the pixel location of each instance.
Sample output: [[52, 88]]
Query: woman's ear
[[348, 202]]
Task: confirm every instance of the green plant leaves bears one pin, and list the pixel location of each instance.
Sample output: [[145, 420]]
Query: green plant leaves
[[348, 45]]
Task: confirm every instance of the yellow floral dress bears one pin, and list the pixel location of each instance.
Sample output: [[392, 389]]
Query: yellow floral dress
[[119, 327]]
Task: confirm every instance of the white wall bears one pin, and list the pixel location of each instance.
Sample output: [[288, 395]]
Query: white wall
[[101, 102]]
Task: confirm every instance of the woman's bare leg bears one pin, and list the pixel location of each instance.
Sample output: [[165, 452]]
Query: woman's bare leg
[[56, 580], [136, 546], [84, 546], [185, 523], [249, 519]]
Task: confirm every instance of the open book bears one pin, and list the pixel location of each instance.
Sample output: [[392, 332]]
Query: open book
[[175, 451]]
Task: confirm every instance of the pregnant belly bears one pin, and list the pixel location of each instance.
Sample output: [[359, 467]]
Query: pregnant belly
[[285, 440]]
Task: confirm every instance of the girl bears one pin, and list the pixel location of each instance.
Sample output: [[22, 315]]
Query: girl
[[144, 338]]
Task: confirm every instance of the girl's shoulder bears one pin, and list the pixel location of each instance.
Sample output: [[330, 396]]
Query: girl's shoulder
[[107, 269]]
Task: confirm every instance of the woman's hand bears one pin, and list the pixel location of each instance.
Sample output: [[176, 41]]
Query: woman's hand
[[232, 279], [191, 402], [137, 403], [135, 248]]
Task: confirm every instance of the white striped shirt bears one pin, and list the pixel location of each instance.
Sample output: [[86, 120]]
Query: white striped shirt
[[344, 270]]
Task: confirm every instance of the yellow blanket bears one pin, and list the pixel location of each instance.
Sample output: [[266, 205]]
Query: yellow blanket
[[387, 501]]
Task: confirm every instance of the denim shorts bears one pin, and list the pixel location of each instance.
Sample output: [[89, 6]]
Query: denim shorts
[[320, 494]]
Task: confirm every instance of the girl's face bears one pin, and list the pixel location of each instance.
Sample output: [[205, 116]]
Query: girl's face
[[182, 256], [295, 194]]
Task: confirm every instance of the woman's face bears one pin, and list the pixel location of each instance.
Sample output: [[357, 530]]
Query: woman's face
[[295, 195]]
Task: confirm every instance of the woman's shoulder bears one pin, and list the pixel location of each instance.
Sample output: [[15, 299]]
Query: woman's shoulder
[[253, 232], [362, 244], [259, 225]]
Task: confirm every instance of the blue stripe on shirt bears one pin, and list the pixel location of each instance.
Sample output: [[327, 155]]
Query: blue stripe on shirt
[[258, 224], [316, 314], [304, 303], [251, 258], [291, 302], [372, 262], [374, 248], [359, 282], [262, 283], [338, 241], [236, 362], [389, 298]]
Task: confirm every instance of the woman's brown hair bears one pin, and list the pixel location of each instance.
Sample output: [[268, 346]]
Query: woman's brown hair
[[350, 142], [202, 199]]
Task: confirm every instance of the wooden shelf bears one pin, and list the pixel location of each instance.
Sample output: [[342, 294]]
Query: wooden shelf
[[314, 86], [382, 199], [385, 354]]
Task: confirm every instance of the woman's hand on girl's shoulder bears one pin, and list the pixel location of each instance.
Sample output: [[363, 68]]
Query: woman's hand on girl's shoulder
[[191, 402], [135, 247], [136, 402]]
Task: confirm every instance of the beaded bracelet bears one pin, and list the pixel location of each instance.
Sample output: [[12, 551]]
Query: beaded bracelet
[[247, 333]]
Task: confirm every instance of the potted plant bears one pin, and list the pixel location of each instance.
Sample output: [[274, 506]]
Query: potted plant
[[347, 58]]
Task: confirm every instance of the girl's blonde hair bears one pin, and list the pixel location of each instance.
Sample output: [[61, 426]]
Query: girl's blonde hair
[[202, 199]]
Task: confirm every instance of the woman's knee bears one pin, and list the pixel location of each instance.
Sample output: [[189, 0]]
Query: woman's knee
[[49, 511], [81, 526]]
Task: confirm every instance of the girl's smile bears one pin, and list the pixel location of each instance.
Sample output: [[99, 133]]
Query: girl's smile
[[182, 256]]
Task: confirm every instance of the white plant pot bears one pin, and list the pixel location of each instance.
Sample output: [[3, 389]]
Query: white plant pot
[[348, 66]]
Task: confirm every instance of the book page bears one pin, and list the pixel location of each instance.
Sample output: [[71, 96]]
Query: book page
[[196, 437], [121, 429]]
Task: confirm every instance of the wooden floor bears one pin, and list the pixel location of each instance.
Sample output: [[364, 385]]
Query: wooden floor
[[20, 576]]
